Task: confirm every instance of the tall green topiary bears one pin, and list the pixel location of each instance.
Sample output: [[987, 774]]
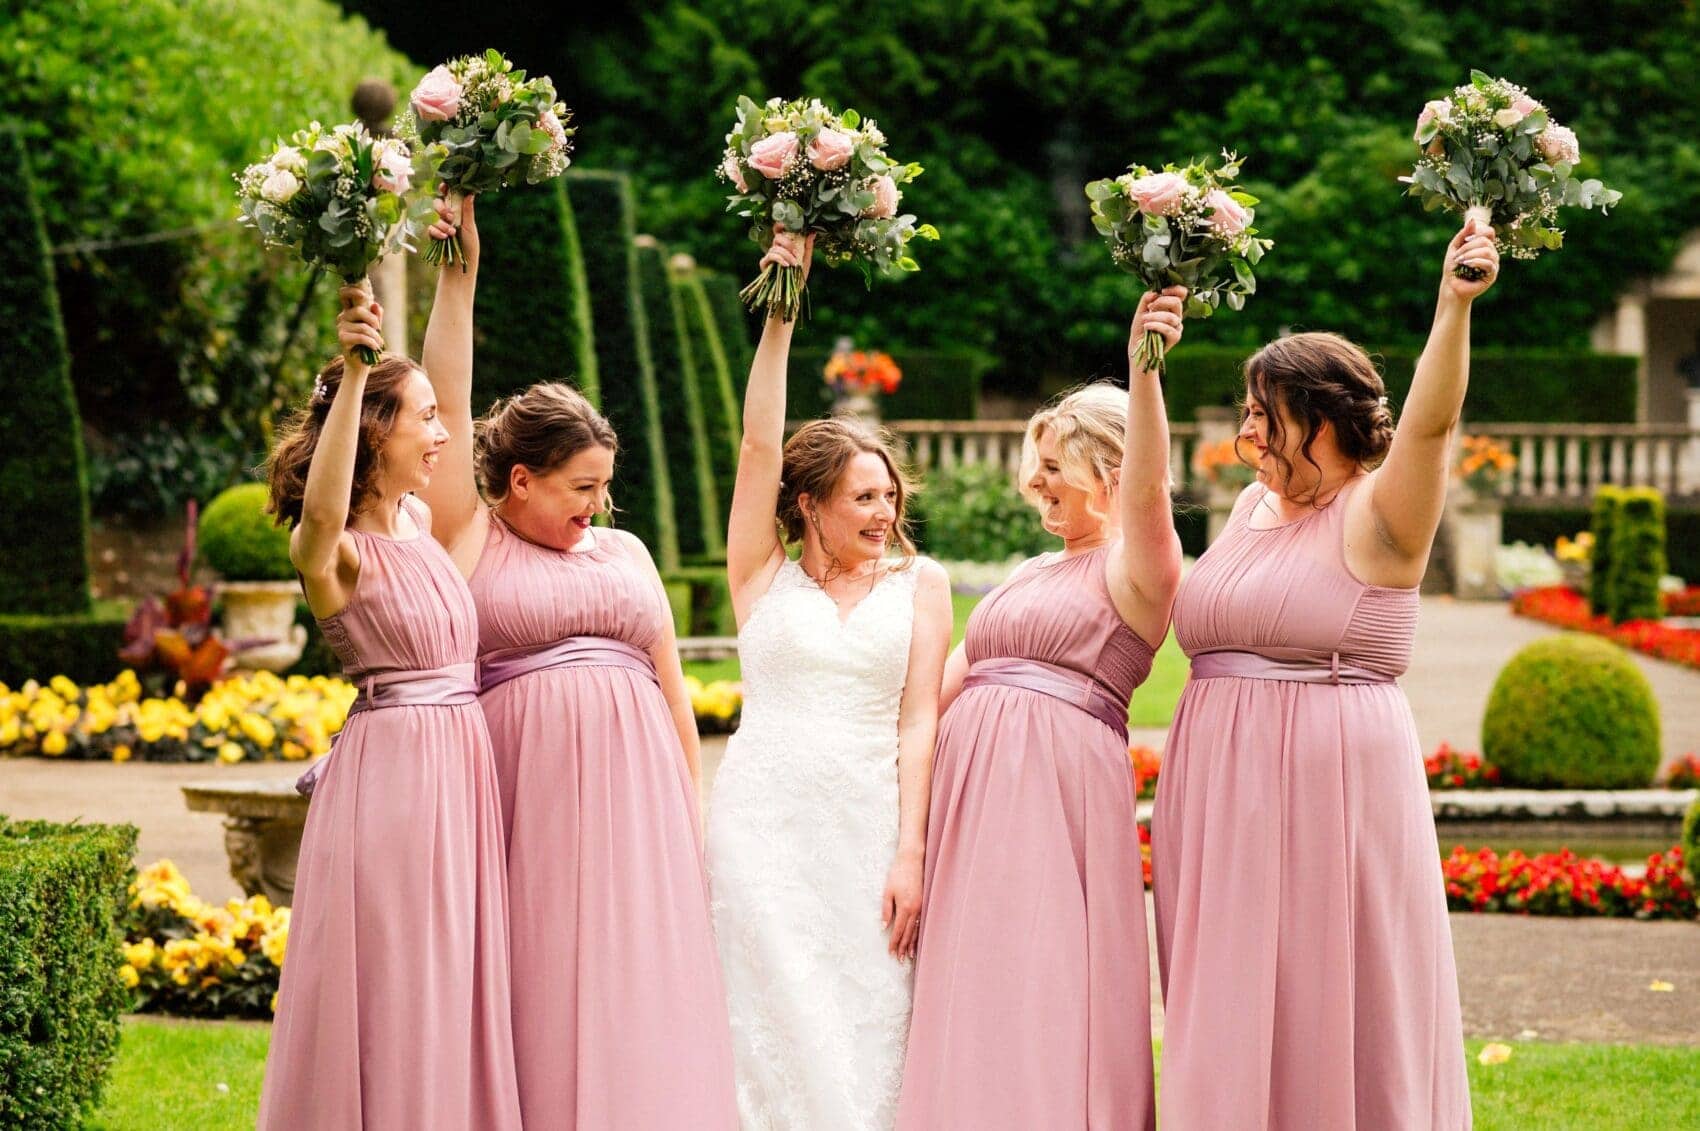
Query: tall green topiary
[[696, 497], [532, 320], [1608, 501], [239, 540], [722, 414], [44, 508], [1572, 712], [62, 889], [625, 362], [735, 325], [1638, 556]]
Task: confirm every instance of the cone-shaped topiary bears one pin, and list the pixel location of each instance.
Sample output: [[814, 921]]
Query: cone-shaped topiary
[[1572, 712], [1608, 501], [1638, 556], [240, 541]]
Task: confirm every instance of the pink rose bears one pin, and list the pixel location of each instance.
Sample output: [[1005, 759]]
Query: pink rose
[[437, 97], [392, 169], [1438, 110], [773, 154], [886, 197], [1226, 216], [1558, 143], [735, 173], [1160, 194], [1524, 105], [831, 149], [551, 125]]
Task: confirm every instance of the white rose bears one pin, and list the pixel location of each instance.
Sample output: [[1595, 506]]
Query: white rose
[[1507, 118], [288, 157], [280, 186]]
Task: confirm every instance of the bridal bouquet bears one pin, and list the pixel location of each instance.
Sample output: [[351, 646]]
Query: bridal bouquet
[[1493, 153], [1186, 226], [336, 197], [801, 167], [496, 127]]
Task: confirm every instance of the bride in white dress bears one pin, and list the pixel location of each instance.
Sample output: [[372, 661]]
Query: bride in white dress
[[817, 818]]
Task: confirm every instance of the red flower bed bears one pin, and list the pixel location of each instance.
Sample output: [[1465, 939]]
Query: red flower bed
[[1147, 764], [1684, 773], [1455, 769], [1562, 883], [1563, 606], [1684, 604], [1145, 854]]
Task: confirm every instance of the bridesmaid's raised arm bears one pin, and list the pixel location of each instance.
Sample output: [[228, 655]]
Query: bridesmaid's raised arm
[[457, 514], [753, 549], [1409, 490], [1145, 574]]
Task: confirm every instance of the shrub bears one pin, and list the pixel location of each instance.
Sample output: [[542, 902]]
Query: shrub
[[711, 362], [1691, 841], [710, 601], [624, 361], [734, 324], [972, 512], [1638, 556], [44, 505], [1602, 524], [61, 891], [83, 647], [1572, 712], [239, 540], [533, 309]]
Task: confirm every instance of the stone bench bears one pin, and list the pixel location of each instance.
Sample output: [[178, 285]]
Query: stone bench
[[262, 831]]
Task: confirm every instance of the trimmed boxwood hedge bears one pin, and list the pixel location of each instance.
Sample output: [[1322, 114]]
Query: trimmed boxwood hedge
[[710, 601], [1691, 842], [240, 541], [44, 492], [737, 328], [1602, 523], [711, 362], [1638, 556], [83, 647], [696, 497], [532, 321], [62, 889], [624, 361], [1542, 526]]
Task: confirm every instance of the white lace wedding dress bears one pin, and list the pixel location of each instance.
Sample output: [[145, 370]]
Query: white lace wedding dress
[[802, 828]]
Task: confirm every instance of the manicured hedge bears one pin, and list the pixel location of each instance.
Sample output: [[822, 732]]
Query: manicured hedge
[[44, 508], [62, 889], [1548, 386], [625, 362], [711, 362], [737, 327], [239, 540], [1542, 526], [532, 320], [696, 497], [83, 647], [1638, 556], [1602, 522], [710, 601]]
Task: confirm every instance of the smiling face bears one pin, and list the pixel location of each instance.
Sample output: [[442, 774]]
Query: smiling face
[[1274, 439], [854, 523], [555, 508], [415, 439], [1069, 511]]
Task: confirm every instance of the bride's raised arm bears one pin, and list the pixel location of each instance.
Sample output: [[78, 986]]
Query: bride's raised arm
[[753, 549]]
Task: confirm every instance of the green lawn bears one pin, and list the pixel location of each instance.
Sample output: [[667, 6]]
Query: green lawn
[[168, 1075], [1153, 704]]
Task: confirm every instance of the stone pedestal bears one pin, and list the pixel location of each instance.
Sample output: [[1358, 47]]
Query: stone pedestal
[[262, 832], [863, 405], [1216, 424], [263, 611], [1474, 527]]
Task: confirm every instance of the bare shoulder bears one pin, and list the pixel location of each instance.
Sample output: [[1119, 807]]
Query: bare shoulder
[[626, 540], [932, 587]]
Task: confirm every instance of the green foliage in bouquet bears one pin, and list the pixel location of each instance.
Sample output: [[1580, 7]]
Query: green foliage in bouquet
[[1494, 153], [802, 167], [495, 127], [1182, 225]]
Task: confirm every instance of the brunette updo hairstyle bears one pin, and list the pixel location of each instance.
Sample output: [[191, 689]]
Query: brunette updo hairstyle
[[286, 470], [539, 429], [814, 460], [1317, 378]]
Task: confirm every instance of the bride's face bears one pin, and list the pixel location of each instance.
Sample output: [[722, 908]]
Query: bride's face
[[854, 523]]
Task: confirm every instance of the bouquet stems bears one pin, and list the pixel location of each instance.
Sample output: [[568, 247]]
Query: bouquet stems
[[777, 290], [364, 353], [1483, 216], [1150, 353], [449, 251]]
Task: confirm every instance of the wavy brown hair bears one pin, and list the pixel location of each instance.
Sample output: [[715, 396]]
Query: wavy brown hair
[[286, 469], [813, 464], [1321, 378], [540, 428]]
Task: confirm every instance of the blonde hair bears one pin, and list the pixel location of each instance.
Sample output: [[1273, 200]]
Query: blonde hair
[[1089, 425], [539, 428], [813, 464]]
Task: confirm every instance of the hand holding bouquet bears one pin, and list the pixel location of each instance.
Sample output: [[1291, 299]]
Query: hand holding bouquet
[[1493, 153], [337, 198], [799, 167], [495, 126], [1186, 226]]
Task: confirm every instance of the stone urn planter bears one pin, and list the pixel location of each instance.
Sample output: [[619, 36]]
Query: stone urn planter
[[263, 611], [239, 540]]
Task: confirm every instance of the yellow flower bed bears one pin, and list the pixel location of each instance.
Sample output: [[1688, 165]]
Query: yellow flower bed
[[243, 718], [186, 956], [716, 704]]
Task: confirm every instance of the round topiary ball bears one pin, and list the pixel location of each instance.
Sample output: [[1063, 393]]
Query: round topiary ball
[[1572, 712], [239, 540]]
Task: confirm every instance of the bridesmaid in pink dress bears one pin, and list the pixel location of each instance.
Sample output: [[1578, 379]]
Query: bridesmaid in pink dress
[[619, 1014], [1032, 982], [394, 1007], [1301, 920]]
